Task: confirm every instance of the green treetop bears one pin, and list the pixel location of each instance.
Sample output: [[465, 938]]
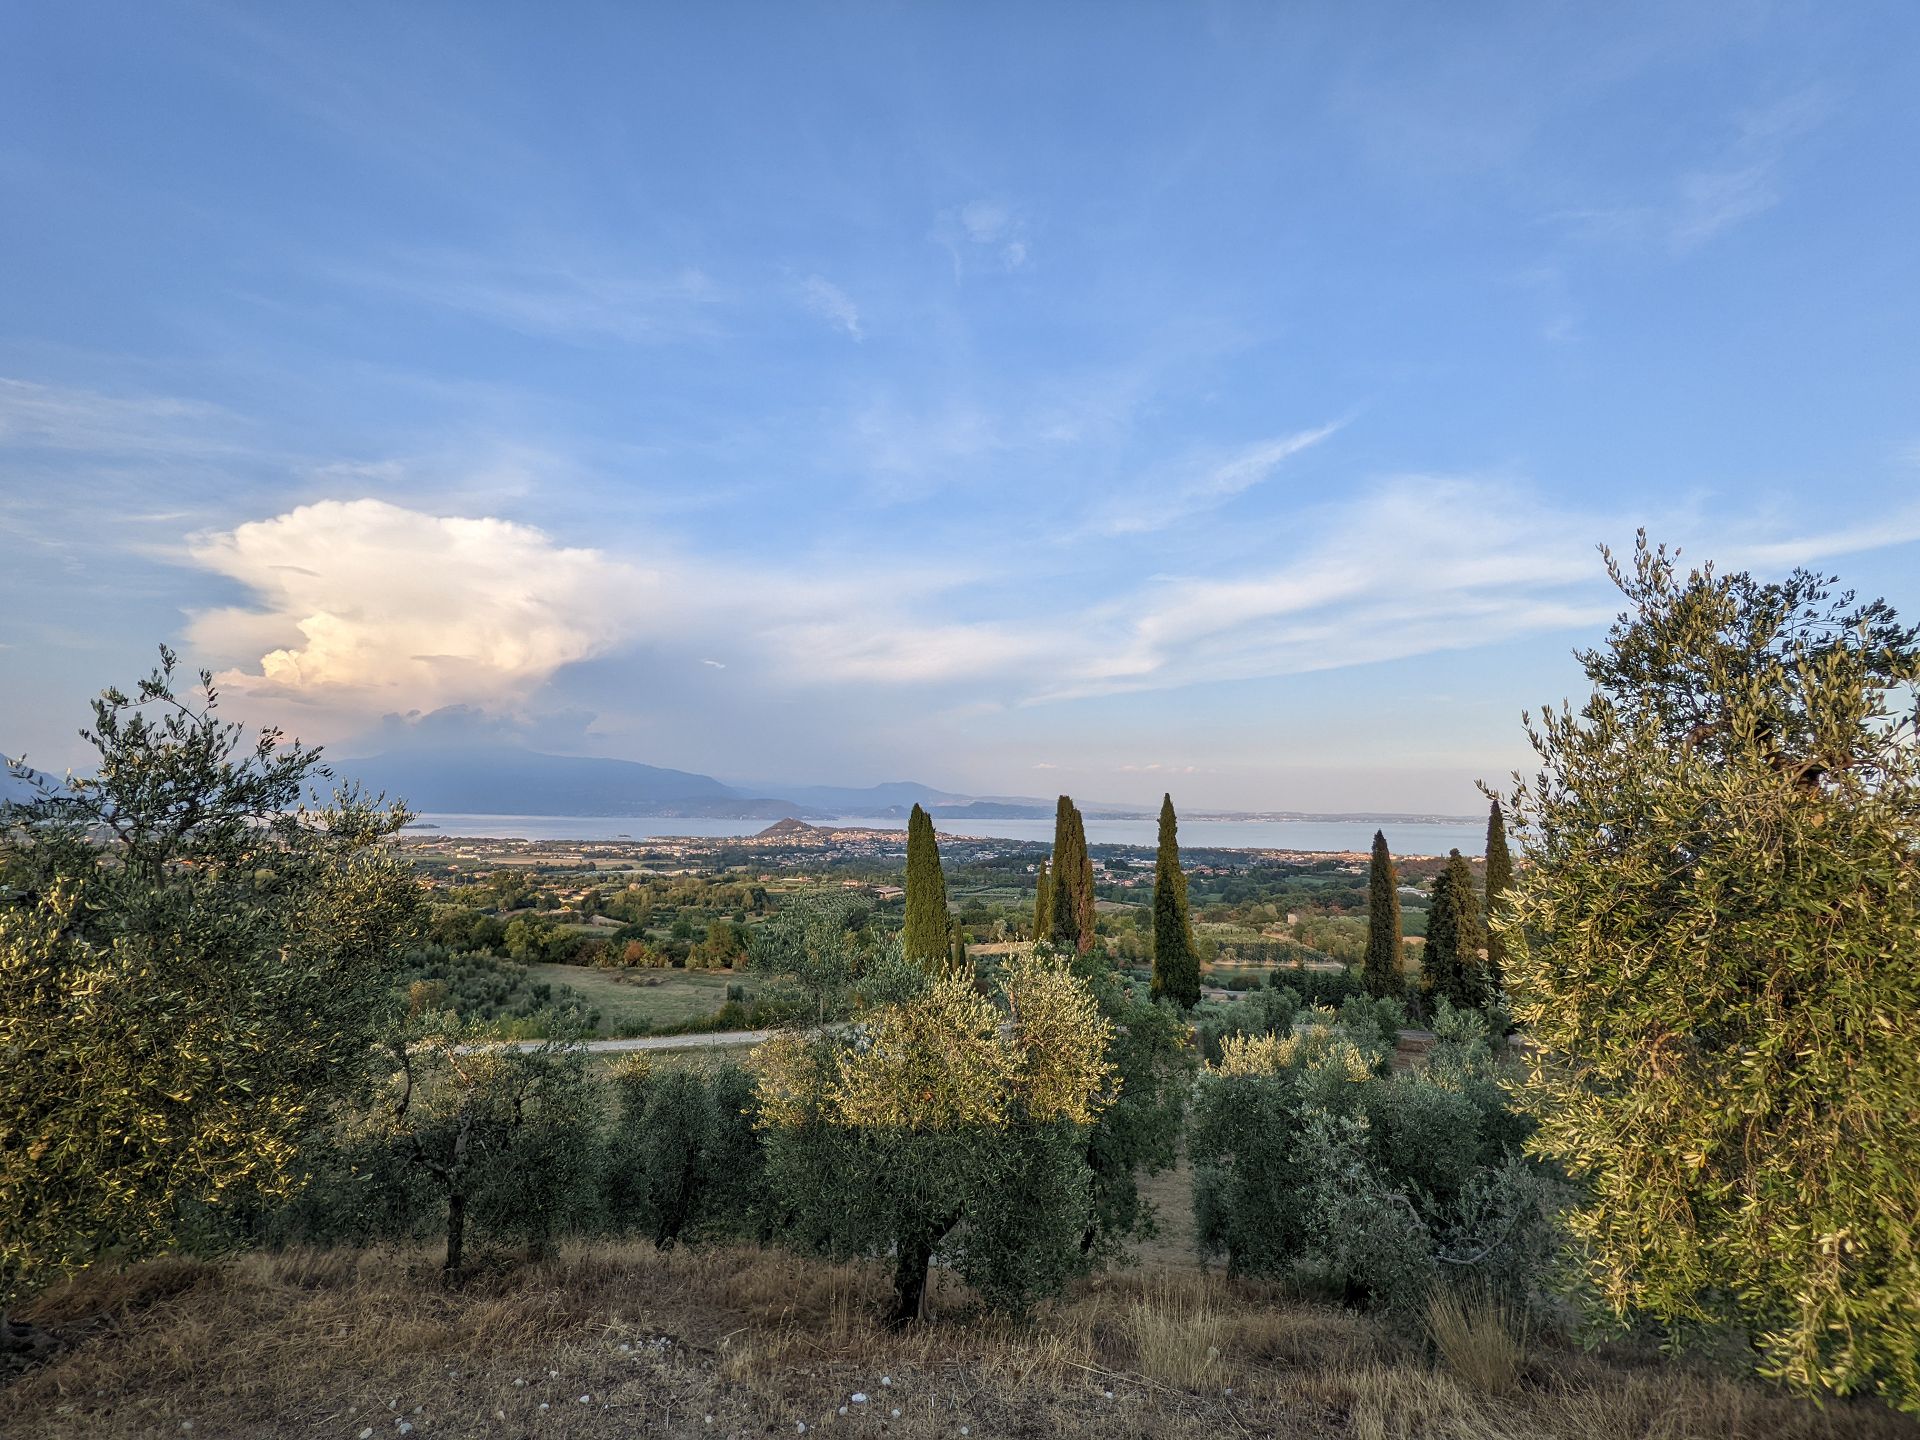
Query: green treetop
[[1382, 972], [928, 932], [1176, 966], [1042, 904], [1712, 944], [1499, 879], [1453, 961], [1071, 882], [189, 965]]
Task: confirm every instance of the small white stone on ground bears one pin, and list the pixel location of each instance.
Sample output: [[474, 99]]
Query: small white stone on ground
[[367, 1434], [858, 1398]]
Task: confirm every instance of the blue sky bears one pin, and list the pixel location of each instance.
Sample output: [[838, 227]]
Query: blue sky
[[1014, 397]]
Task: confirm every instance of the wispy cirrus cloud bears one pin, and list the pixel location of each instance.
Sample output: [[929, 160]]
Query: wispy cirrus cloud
[[577, 299], [1742, 179], [36, 416], [1204, 485], [832, 304]]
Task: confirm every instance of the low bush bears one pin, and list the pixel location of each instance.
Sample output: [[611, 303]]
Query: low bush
[[1331, 988], [1316, 1163]]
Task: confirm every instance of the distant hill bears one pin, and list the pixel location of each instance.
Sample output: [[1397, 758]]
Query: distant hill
[[788, 826], [503, 780], [895, 797]]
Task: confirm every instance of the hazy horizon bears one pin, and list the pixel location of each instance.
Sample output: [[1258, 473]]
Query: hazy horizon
[[1220, 400]]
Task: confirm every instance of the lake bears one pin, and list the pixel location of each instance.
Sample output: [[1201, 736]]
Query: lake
[[1406, 837]]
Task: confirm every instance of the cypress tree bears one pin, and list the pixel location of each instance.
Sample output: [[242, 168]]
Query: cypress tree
[[1083, 892], [1499, 878], [1070, 926], [1042, 904], [929, 926], [957, 960], [1453, 934], [1176, 968], [1382, 973]]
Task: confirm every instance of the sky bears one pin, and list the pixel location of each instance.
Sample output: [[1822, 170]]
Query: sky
[[1110, 398]]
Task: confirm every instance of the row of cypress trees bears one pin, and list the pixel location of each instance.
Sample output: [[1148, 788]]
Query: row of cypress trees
[[1464, 961], [1063, 911]]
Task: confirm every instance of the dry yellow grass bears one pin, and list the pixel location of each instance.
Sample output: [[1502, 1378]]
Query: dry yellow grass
[[1480, 1341], [341, 1343]]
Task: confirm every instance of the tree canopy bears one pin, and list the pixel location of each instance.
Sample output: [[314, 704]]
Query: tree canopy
[[1176, 963], [927, 937], [190, 962], [1713, 945], [1382, 968]]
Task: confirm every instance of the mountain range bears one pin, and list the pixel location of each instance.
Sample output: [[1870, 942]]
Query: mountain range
[[505, 780]]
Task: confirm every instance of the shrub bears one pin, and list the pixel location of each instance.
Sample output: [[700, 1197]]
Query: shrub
[[1318, 987], [1263, 1012], [1314, 1162]]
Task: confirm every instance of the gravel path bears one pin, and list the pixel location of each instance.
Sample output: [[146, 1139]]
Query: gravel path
[[661, 1042]]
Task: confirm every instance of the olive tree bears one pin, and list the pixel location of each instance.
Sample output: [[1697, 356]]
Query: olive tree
[[1714, 942], [189, 963], [684, 1155], [457, 1134], [945, 1123]]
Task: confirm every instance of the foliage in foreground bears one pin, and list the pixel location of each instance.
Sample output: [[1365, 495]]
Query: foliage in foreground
[[1315, 1163], [1715, 944], [188, 965]]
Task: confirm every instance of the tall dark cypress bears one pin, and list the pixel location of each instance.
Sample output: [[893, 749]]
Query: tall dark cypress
[[1062, 926], [1083, 892], [1042, 904], [1499, 879], [1452, 960], [929, 926], [1382, 973], [1176, 966], [1071, 924]]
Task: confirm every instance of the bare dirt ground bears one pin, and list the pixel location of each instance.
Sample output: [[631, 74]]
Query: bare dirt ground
[[618, 1339]]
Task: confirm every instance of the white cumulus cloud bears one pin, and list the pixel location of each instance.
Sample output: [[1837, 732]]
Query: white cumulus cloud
[[360, 604]]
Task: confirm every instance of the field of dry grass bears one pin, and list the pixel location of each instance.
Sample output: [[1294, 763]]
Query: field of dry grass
[[618, 1339]]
